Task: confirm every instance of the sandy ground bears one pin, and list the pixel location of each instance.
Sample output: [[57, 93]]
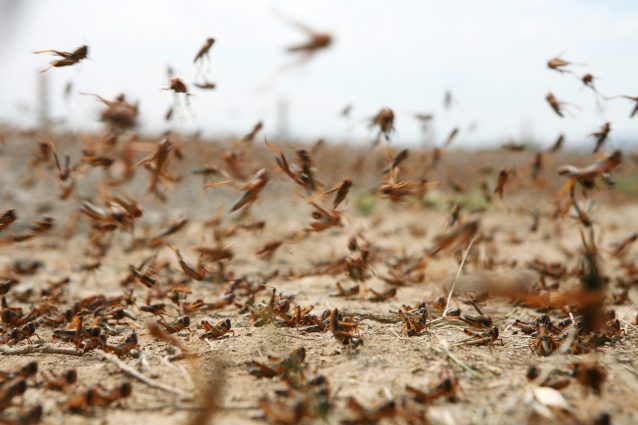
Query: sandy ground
[[493, 386]]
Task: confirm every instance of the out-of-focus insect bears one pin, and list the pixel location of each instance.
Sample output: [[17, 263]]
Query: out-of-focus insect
[[455, 238], [323, 218], [513, 146], [619, 249], [396, 161], [60, 382], [251, 189], [557, 383], [20, 333], [601, 136], [11, 389], [205, 85], [558, 144], [202, 53], [118, 113], [68, 58], [316, 42], [342, 190], [537, 166], [447, 387], [216, 331], [302, 174], [500, 184], [267, 250], [6, 218], [125, 347], [97, 396], [384, 120], [177, 86], [37, 228], [157, 163], [343, 292], [559, 64], [293, 363], [448, 99], [382, 296], [556, 105], [590, 375], [175, 326], [197, 274], [635, 100], [361, 415], [587, 175], [26, 371], [250, 137], [345, 112], [450, 137]]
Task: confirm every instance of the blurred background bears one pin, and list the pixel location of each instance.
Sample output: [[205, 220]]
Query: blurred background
[[490, 55]]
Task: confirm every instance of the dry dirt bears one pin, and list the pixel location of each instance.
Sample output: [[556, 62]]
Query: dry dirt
[[493, 387]]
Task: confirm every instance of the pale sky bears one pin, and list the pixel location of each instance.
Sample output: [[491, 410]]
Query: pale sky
[[404, 54]]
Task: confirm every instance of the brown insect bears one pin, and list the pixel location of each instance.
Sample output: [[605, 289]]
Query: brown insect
[[278, 366], [145, 279], [396, 161], [488, 337], [601, 136], [455, 238], [60, 382], [316, 42], [343, 292], [202, 53], [414, 323], [382, 296], [500, 184], [26, 371], [6, 218], [130, 343], [267, 250], [557, 383], [206, 85], [216, 331], [250, 137], [450, 137], [361, 415], [97, 396], [590, 375], [37, 228], [587, 176], [215, 254], [384, 120], [11, 389], [446, 388], [558, 144], [303, 173], [251, 190], [30, 417], [323, 218], [157, 163], [555, 104], [198, 274], [18, 334], [558, 64], [620, 248], [118, 112], [68, 58], [345, 329], [175, 326]]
